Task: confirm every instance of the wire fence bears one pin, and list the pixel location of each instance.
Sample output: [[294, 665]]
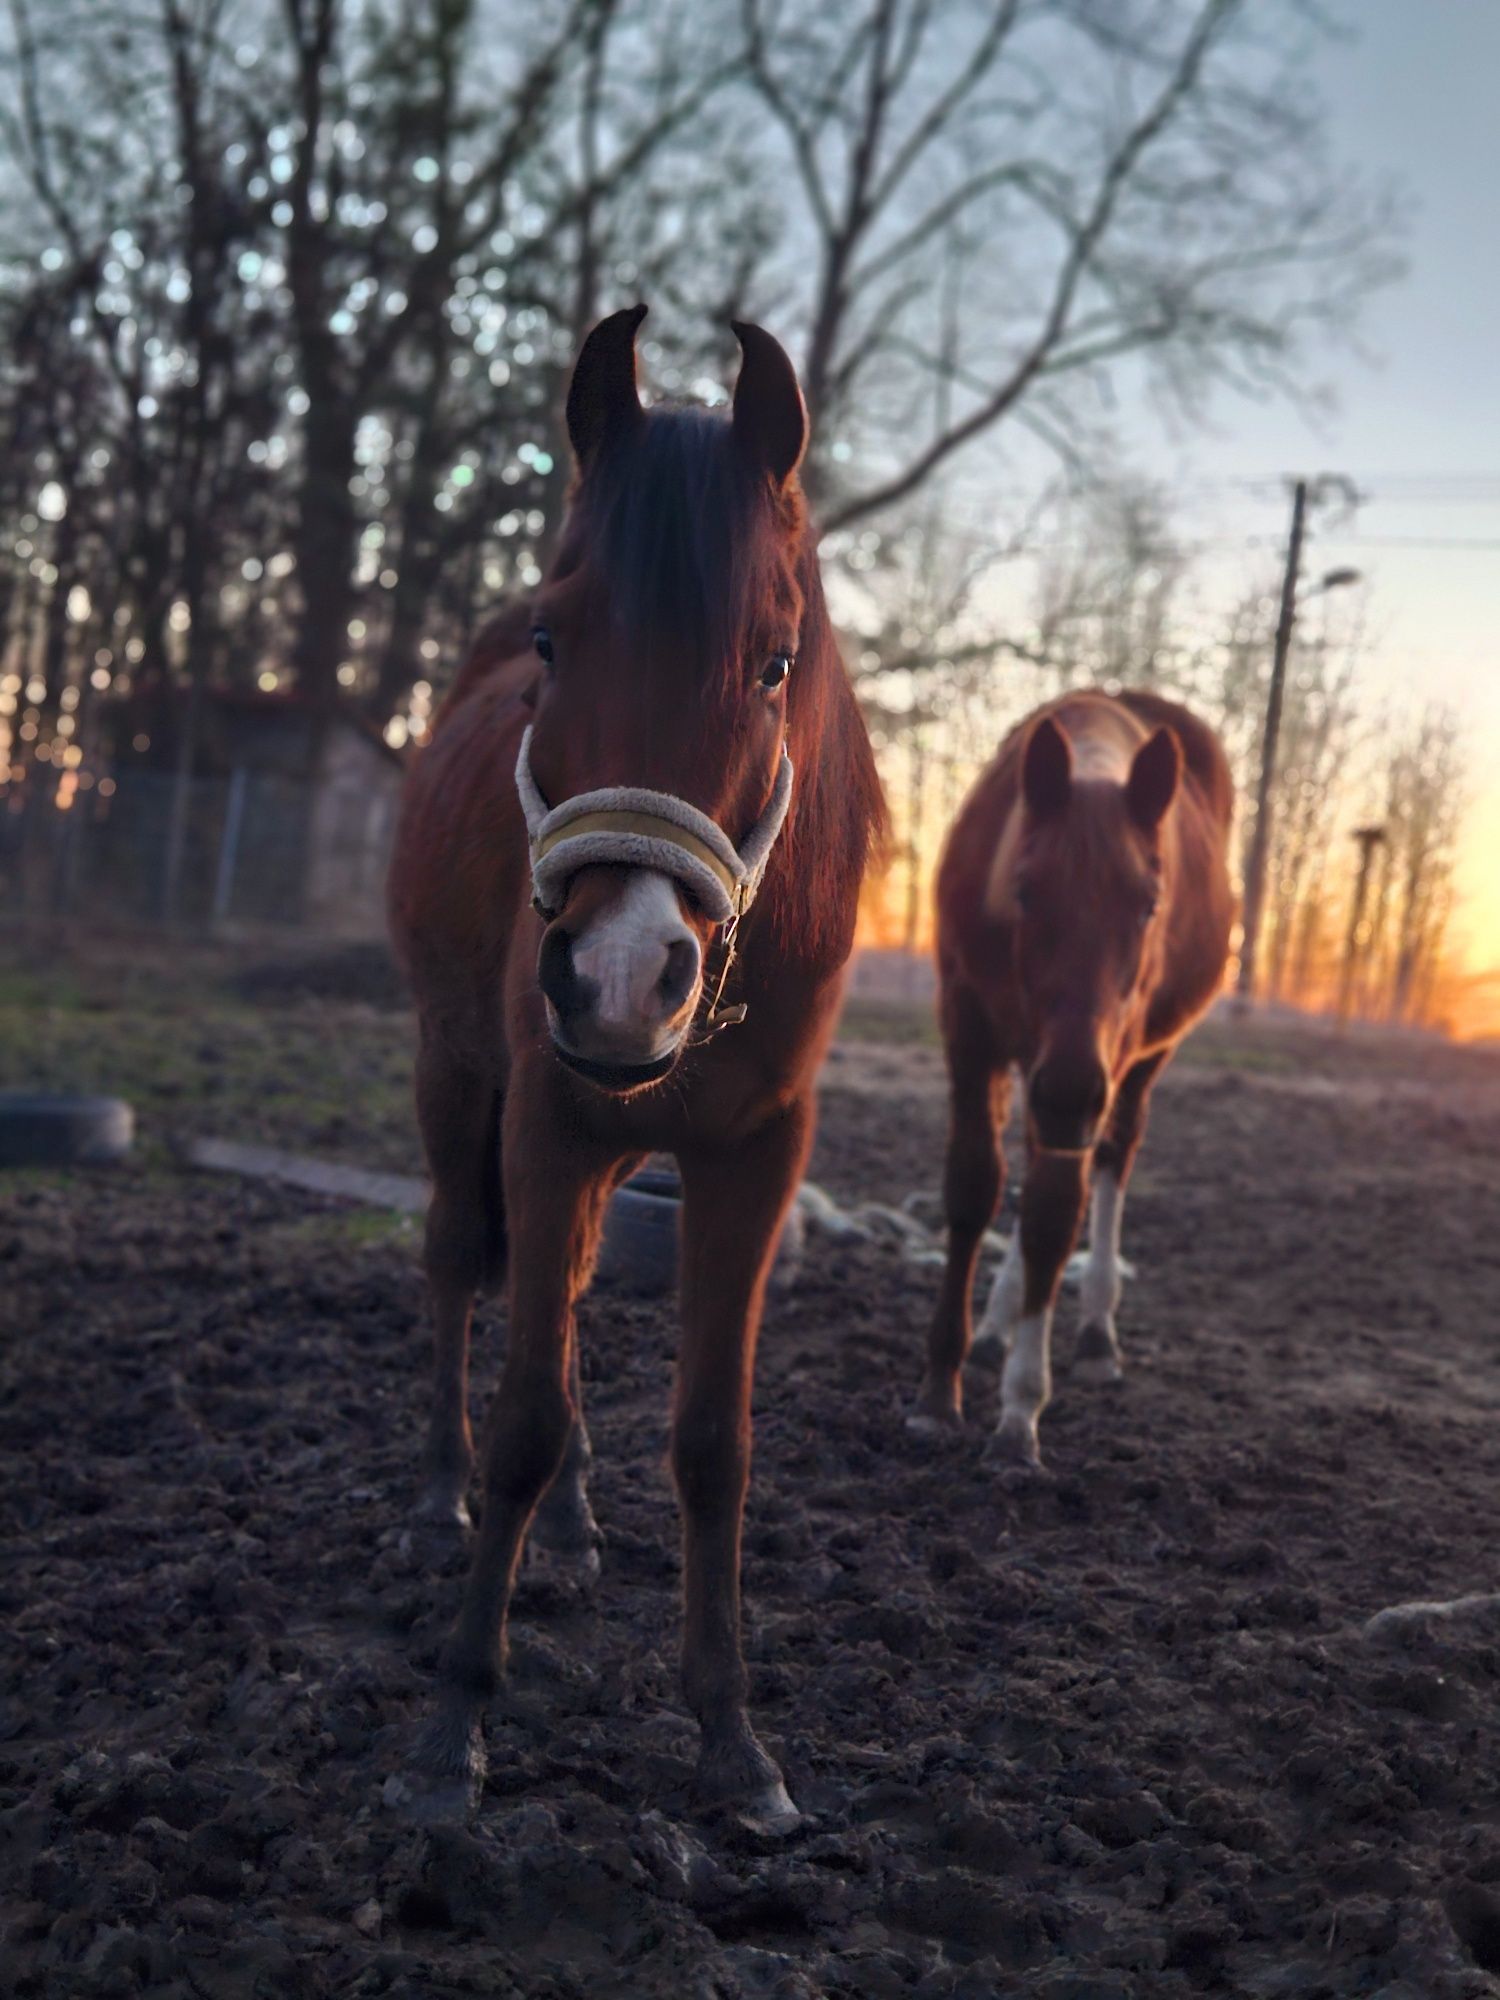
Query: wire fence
[[257, 848]]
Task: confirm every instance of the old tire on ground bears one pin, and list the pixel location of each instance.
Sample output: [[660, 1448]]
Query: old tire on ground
[[42, 1129], [638, 1249]]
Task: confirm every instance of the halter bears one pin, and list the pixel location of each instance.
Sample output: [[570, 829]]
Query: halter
[[631, 827]]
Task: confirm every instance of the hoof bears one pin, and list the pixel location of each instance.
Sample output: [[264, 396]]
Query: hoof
[[936, 1426], [1098, 1369], [1098, 1355], [548, 1562], [938, 1410], [932, 1430], [770, 1815], [563, 1544], [1015, 1453], [444, 1776], [739, 1783], [442, 1513]]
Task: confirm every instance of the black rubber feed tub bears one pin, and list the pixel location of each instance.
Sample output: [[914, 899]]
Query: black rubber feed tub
[[41, 1129], [638, 1250]]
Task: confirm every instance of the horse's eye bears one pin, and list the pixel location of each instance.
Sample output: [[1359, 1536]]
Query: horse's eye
[[776, 670], [1024, 898], [1148, 911], [541, 639]]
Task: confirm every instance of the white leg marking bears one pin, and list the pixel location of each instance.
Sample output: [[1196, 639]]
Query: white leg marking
[[1003, 1308], [1099, 1356], [1100, 1292], [1026, 1387]]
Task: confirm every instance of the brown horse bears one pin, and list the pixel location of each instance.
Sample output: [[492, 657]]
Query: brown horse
[[625, 923], [1084, 912]]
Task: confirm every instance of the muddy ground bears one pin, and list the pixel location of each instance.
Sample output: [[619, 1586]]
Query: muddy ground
[[1115, 1735]]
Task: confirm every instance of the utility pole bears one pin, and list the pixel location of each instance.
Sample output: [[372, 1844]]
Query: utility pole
[[1255, 872], [1369, 838]]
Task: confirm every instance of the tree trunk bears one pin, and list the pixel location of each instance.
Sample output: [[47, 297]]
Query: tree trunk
[[325, 544]]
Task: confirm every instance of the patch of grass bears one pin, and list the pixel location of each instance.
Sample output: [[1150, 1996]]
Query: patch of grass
[[352, 1229], [332, 1077], [903, 1023], [1224, 1049], [27, 987]]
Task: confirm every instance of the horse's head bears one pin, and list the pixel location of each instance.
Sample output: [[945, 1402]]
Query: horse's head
[[1088, 903], [668, 630]]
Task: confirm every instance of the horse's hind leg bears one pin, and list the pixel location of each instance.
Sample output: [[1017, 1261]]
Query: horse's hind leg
[[565, 1536], [973, 1180], [1098, 1355], [459, 1116]]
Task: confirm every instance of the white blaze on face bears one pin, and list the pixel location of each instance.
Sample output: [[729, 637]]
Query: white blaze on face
[[641, 959]]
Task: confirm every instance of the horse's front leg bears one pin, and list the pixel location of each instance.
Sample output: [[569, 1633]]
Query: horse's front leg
[[973, 1181], [555, 1192], [1099, 1358], [734, 1203], [1051, 1210]]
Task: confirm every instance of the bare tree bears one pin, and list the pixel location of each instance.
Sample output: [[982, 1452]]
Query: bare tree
[[1119, 183], [1319, 742], [1424, 810], [138, 386], [294, 285]]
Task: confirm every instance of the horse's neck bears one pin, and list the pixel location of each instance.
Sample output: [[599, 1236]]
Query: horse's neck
[[817, 872]]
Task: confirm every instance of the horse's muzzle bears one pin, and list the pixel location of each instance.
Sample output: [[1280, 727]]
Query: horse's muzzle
[[621, 973], [1067, 1100]]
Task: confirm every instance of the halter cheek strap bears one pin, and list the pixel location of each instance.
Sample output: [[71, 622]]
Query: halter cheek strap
[[634, 828]]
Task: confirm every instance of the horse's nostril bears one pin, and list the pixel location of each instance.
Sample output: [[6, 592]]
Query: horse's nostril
[[554, 970], [679, 974]]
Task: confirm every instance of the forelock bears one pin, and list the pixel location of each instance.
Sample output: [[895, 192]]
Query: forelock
[[680, 533]]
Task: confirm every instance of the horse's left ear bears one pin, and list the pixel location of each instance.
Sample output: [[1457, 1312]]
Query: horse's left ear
[[1155, 774], [770, 417]]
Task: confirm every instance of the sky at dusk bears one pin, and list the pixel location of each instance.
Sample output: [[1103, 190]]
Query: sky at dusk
[[1417, 422]]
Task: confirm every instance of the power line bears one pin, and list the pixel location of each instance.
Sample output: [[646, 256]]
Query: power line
[[1414, 541]]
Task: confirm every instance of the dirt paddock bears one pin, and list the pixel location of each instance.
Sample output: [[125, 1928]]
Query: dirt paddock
[[1117, 1734]]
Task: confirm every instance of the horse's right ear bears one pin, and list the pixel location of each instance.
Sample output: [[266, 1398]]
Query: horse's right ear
[[603, 401], [1047, 773]]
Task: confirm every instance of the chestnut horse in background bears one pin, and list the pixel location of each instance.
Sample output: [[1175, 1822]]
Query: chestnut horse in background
[[1084, 912], [625, 924]]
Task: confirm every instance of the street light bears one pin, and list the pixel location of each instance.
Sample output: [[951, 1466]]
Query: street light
[[1369, 838], [1255, 871], [1334, 579]]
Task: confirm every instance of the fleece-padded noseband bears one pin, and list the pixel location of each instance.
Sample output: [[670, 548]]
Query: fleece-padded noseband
[[630, 827]]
